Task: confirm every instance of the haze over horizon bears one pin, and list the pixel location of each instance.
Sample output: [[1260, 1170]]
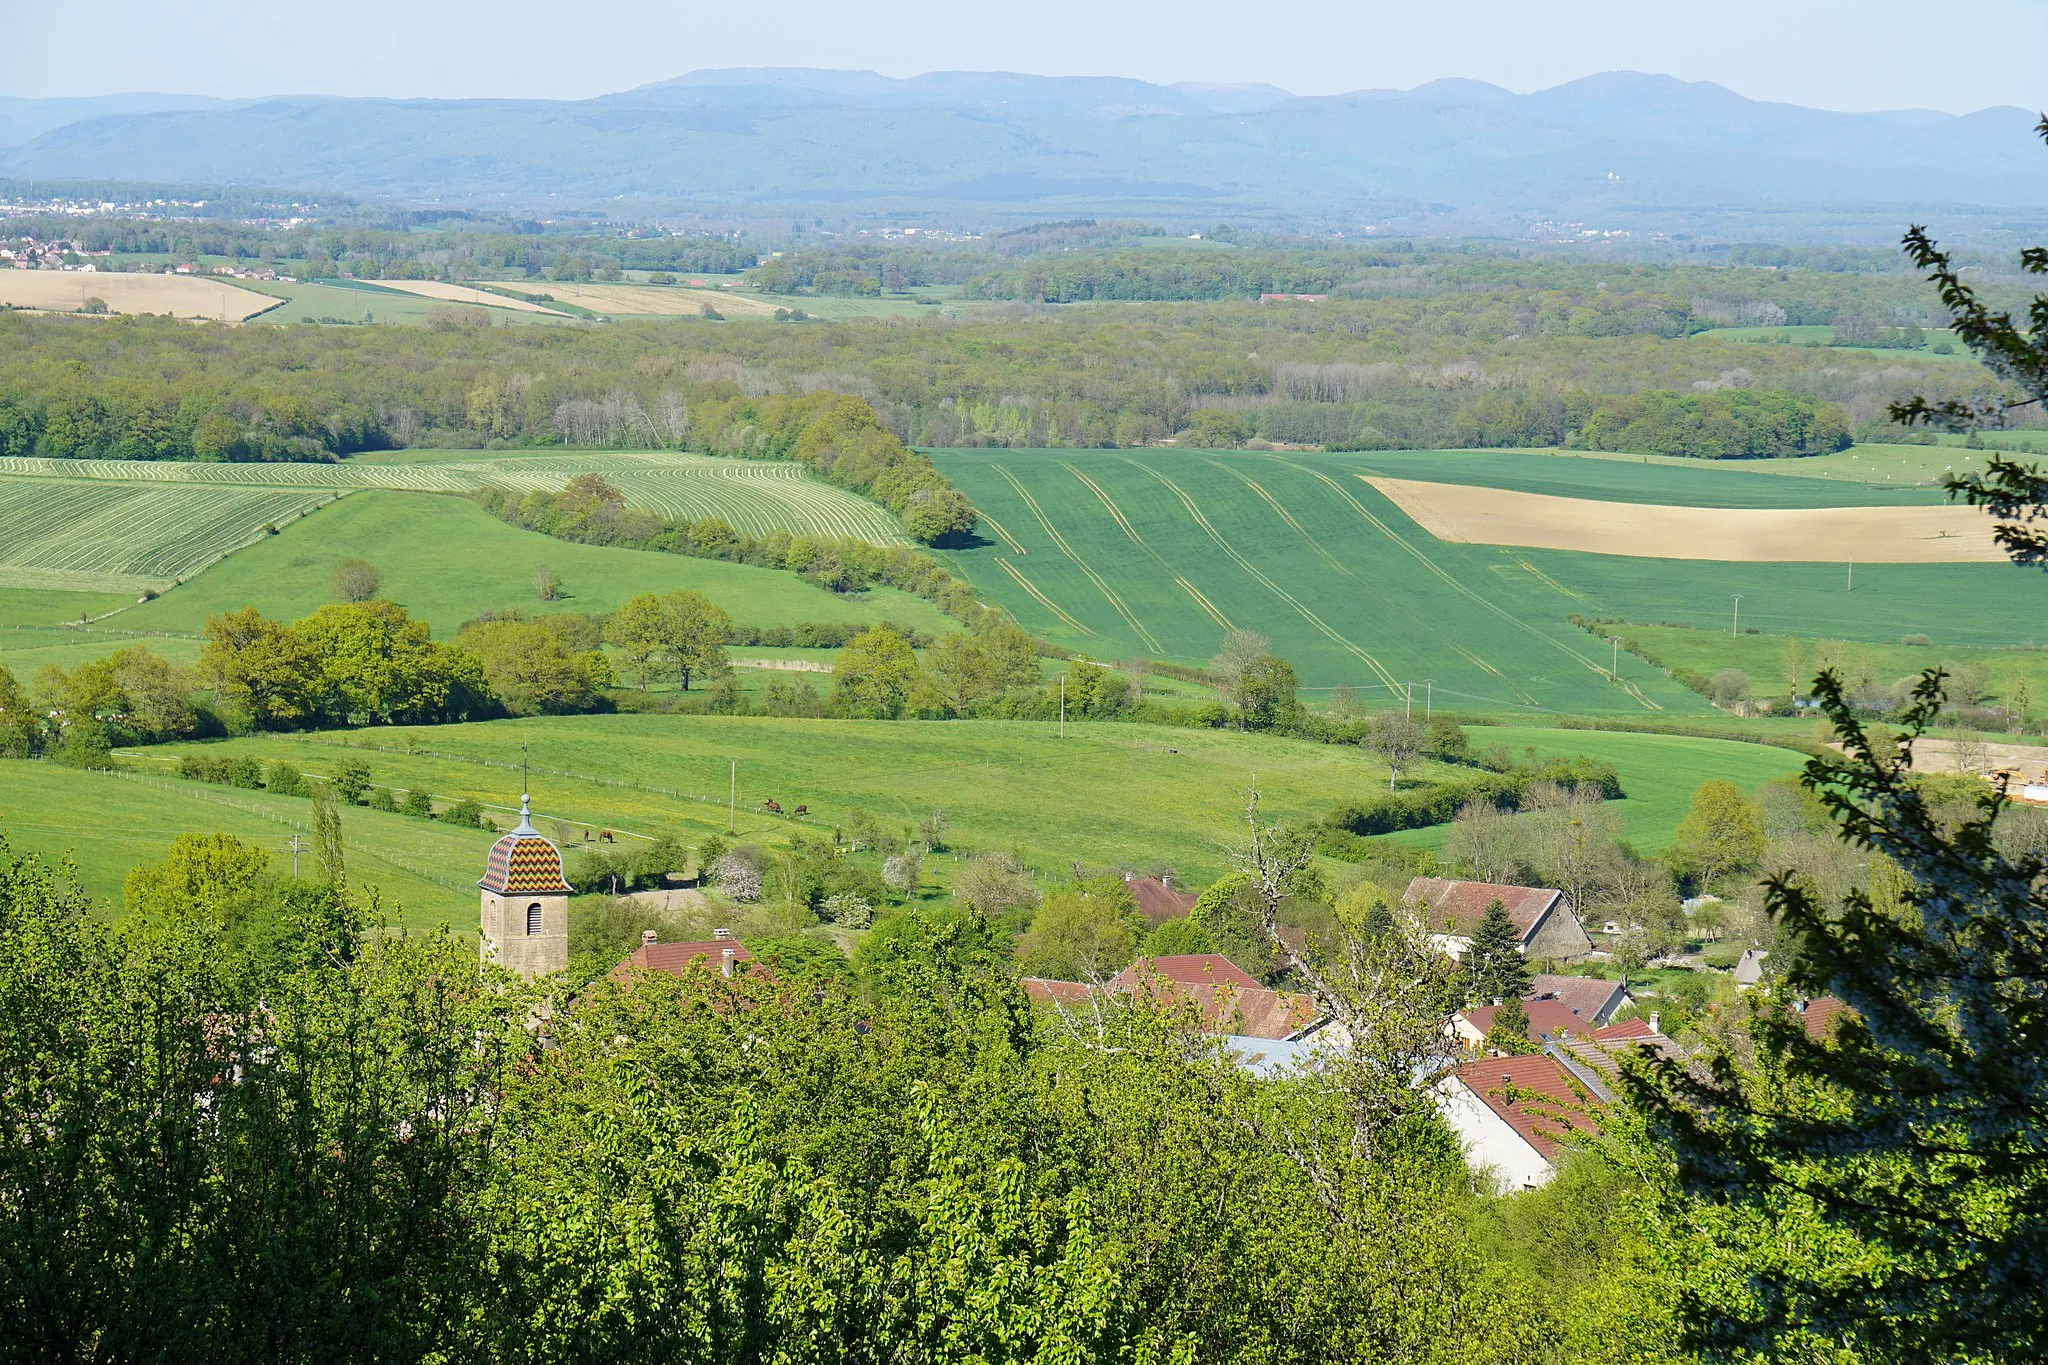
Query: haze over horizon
[[1824, 54]]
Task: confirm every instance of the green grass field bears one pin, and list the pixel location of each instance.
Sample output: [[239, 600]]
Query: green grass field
[[1776, 663], [1160, 551], [1659, 773], [1107, 794], [173, 503], [110, 823], [445, 559]]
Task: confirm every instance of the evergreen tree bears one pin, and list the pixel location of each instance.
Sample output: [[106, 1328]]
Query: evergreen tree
[[1509, 1034], [1494, 968]]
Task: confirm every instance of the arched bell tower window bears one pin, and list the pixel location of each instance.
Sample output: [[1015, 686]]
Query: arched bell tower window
[[533, 918]]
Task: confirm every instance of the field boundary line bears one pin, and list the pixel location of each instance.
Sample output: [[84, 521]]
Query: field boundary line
[[1451, 580], [1387, 679], [1097, 579], [1116, 513]]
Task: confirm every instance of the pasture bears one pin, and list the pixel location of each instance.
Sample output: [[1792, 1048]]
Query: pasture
[[1107, 795], [108, 823], [1780, 664], [1465, 514], [446, 560], [1659, 774], [178, 296]]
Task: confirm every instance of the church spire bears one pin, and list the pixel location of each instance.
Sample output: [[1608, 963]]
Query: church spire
[[525, 799]]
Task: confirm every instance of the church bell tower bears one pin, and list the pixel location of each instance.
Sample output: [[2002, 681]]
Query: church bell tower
[[525, 902]]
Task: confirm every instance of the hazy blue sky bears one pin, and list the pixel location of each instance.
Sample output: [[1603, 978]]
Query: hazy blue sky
[[1843, 54]]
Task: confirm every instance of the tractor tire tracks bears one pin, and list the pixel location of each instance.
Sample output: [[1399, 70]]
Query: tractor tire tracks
[[1102, 585]]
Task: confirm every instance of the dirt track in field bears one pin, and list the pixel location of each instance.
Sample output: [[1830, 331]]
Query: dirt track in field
[[1822, 535], [180, 296]]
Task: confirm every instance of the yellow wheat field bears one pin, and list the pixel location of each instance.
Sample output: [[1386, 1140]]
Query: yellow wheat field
[[463, 293], [646, 299], [180, 296], [1538, 521]]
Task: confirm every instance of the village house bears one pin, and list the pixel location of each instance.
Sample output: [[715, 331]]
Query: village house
[[1157, 901], [1230, 1002], [1511, 1115], [1546, 925], [721, 950]]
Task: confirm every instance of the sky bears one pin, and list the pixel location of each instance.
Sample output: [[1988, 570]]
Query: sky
[[1836, 54]]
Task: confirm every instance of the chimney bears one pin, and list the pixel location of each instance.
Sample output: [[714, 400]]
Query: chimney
[[725, 967], [1655, 1021], [648, 938], [721, 933]]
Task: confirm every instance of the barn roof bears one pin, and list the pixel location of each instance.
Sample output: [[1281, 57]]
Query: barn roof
[[1463, 904]]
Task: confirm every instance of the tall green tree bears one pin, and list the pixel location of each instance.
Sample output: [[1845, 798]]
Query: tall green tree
[[876, 675], [693, 634], [1722, 832], [1493, 965]]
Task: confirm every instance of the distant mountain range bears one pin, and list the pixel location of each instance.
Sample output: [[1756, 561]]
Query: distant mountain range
[[1621, 150]]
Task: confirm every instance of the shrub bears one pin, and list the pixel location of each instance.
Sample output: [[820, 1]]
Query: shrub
[[380, 798], [418, 802], [848, 910], [351, 780], [354, 580], [285, 780], [466, 813]]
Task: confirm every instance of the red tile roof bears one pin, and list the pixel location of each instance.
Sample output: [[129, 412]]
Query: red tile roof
[[1627, 1031], [1157, 901], [1224, 1004], [1820, 1013], [1463, 904], [676, 958], [1532, 1095], [1188, 969], [1547, 1018], [1046, 991], [1588, 996]]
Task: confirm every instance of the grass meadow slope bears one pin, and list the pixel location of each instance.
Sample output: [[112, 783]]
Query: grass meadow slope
[[1106, 794]]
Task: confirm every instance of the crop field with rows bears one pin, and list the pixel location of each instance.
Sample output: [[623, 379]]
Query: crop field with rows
[[1158, 552], [89, 536], [752, 495]]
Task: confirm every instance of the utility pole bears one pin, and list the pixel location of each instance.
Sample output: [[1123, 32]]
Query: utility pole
[[1063, 706], [1408, 706], [732, 797], [1852, 576], [297, 845], [1614, 673], [1428, 698], [1735, 627]]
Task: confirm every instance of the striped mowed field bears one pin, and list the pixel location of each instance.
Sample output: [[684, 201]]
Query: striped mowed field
[[131, 525]]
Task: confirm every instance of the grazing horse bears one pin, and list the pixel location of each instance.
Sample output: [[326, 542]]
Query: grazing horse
[[604, 836], [771, 806], [802, 812]]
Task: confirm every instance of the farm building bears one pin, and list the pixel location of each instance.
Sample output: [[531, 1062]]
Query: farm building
[[1511, 1115], [1547, 926]]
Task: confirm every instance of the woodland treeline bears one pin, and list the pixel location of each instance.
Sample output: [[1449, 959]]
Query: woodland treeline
[[1479, 367]]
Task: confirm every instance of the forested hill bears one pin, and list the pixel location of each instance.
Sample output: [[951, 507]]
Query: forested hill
[[1612, 151]]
